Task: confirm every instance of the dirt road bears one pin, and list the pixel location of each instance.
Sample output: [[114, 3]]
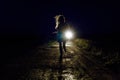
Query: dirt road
[[44, 65]]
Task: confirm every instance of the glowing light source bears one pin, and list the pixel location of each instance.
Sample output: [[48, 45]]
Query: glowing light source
[[68, 34]]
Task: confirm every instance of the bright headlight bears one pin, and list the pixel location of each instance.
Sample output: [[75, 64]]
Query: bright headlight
[[68, 34]]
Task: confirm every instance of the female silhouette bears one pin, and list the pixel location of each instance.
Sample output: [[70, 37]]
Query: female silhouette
[[61, 27]]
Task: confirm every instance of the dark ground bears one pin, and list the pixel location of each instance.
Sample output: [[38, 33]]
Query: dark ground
[[22, 58]]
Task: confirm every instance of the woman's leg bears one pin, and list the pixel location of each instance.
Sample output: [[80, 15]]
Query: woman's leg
[[61, 51], [64, 46]]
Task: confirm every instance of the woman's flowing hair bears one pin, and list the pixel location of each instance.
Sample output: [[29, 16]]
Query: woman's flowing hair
[[59, 19]]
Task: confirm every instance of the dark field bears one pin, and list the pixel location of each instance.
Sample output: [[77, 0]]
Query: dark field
[[22, 54]]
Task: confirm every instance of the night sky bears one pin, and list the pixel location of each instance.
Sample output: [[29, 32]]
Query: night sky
[[36, 17]]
